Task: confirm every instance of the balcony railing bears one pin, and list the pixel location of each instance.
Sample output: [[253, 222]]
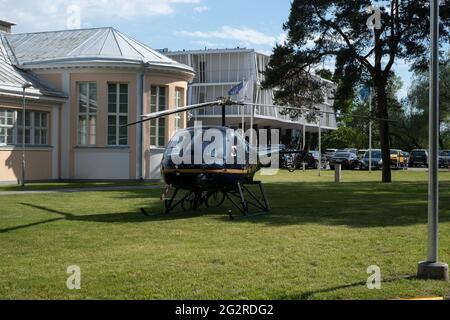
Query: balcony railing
[[267, 112], [221, 75]]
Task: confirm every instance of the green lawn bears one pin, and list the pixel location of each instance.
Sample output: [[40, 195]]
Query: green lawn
[[70, 185], [316, 244]]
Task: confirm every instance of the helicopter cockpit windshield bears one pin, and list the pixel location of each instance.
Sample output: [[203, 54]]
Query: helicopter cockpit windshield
[[211, 147]]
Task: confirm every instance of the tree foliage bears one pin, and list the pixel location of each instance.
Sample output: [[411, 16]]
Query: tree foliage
[[337, 29]]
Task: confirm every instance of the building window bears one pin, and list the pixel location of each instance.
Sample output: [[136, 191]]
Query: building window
[[158, 127], [40, 128], [6, 127], [179, 103], [11, 127], [202, 71], [27, 127], [117, 114], [87, 113]]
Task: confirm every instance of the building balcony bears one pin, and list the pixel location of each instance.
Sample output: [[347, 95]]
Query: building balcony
[[264, 115], [221, 76]]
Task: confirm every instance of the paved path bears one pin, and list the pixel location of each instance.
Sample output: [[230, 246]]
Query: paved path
[[68, 190]]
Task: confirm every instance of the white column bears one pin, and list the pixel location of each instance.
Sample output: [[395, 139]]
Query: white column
[[139, 128], [55, 131], [66, 128]]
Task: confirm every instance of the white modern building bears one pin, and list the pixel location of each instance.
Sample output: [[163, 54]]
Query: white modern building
[[217, 71]]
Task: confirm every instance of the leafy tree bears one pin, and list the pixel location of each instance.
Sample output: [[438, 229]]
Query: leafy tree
[[343, 137], [325, 74], [418, 99], [337, 29]]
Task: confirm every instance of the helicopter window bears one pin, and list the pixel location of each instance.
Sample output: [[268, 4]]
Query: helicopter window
[[117, 114], [158, 126]]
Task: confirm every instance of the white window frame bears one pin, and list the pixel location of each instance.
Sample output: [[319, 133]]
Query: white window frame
[[40, 128], [6, 126], [16, 128], [118, 114], [179, 103], [156, 123], [91, 131]]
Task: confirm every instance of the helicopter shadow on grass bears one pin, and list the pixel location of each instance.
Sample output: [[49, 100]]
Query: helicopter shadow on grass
[[353, 204], [358, 205], [155, 214]]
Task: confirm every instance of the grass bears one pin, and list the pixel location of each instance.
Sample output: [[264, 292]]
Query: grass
[[70, 185], [316, 244]]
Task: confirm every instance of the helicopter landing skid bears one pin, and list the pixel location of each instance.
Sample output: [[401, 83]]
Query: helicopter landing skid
[[194, 200], [238, 199]]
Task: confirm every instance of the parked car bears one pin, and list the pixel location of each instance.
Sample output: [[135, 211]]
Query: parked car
[[352, 150], [348, 160], [418, 158], [377, 162], [406, 157], [361, 154], [444, 159], [313, 160], [329, 154], [398, 160]]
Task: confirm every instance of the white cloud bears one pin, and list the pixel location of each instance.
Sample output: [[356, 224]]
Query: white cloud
[[52, 14], [206, 44], [201, 9], [242, 35], [282, 38]]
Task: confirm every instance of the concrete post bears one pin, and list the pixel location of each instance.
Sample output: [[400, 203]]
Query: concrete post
[[337, 173]]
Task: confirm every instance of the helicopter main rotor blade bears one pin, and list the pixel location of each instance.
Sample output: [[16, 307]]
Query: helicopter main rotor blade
[[165, 113], [317, 110]]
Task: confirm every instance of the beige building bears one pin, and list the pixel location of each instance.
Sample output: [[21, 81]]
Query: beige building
[[86, 84]]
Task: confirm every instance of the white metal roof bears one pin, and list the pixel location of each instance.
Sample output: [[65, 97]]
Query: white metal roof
[[69, 47], [12, 79], [210, 51]]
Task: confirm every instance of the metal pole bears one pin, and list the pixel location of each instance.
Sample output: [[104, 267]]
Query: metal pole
[[370, 130], [251, 124], [23, 139], [432, 269], [433, 189], [304, 136], [320, 143], [223, 116]]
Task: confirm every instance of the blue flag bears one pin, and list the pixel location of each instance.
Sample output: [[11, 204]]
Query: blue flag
[[236, 89], [364, 93]]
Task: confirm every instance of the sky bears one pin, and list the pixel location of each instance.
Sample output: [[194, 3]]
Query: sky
[[172, 24]]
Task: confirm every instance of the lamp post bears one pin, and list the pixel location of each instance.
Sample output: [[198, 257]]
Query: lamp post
[[320, 144], [370, 130], [432, 269], [25, 86]]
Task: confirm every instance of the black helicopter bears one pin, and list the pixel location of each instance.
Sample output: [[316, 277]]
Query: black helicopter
[[210, 184]]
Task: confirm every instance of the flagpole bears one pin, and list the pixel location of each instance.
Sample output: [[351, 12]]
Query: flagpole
[[432, 269]]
